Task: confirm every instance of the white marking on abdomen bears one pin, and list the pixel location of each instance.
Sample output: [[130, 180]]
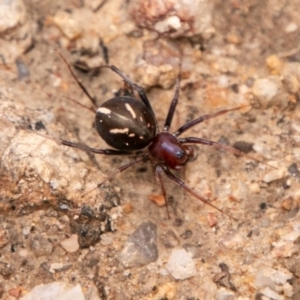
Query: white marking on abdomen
[[104, 110], [119, 130], [129, 108]]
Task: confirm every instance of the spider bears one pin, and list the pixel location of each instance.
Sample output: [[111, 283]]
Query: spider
[[130, 127]]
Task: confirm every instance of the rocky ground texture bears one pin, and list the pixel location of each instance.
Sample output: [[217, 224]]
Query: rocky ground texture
[[61, 237]]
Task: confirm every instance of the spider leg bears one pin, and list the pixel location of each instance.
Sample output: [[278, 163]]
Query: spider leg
[[78, 145], [134, 86], [83, 88], [159, 173], [194, 122], [194, 140], [173, 105], [93, 110], [143, 157], [181, 183], [90, 149]]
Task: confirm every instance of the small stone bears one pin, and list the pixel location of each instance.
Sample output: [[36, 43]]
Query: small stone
[[127, 208], [274, 175], [3, 238], [212, 219], [91, 259], [41, 246], [164, 291], [193, 250], [291, 27], [254, 187], [24, 253], [12, 14], [6, 269], [275, 64], [140, 248], [71, 244], [268, 91], [293, 170], [67, 24], [56, 267], [287, 203], [243, 146], [26, 230], [169, 239], [261, 149], [233, 39], [15, 292], [291, 83], [158, 65], [55, 291], [271, 294], [224, 294], [181, 265], [106, 239], [269, 277], [159, 200], [15, 31], [174, 18], [284, 249]]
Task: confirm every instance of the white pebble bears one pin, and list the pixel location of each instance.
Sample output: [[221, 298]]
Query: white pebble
[[181, 265], [71, 244], [55, 291], [274, 175], [271, 294], [266, 89], [224, 294], [291, 27]]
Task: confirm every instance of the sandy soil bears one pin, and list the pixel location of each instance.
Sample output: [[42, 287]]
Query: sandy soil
[[247, 54]]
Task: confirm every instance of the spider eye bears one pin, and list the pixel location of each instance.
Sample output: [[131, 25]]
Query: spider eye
[[179, 154]]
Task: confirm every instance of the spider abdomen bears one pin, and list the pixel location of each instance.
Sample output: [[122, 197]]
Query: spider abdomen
[[125, 124]]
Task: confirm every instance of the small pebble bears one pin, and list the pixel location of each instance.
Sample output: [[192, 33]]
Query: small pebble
[[164, 291], [55, 291], [71, 244], [3, 238], [55, 267], [141, 246], [293, 170], [291, 83], [261, 149], [169, 239], [274, 175], [15, 292], [13, 13], [269, 277], [212, 219], [67, 24], [23, 70], [107, 238], [181, 265], [287, 204], [268, 91], [271, 294], [224, 294], [91, 259], [275, 64], [41, 246], [6, 269], [174, 18], [159, 200], [291, 27]]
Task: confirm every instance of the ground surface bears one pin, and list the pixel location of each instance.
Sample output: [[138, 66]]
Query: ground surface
[[248, 55]]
